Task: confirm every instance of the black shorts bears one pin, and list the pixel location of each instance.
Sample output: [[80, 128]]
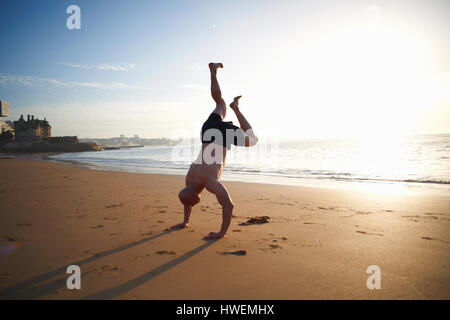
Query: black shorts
[[217, 131]]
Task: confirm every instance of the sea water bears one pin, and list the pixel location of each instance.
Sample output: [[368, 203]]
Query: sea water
[[408, 162]]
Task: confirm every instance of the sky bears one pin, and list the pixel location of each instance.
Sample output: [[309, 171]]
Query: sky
[[305, 69]]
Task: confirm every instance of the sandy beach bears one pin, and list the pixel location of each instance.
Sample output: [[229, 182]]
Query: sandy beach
[[317, 245]]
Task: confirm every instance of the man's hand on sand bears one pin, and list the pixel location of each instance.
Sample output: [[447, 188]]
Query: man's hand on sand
[[235, 104], [214, 235], [180, 226]]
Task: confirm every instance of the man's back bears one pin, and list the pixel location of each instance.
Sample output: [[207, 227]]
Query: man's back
[[207, 166]]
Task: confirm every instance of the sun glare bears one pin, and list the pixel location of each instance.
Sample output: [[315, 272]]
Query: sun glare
[[370, 82]]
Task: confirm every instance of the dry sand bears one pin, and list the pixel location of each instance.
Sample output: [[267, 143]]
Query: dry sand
[[317, 245]]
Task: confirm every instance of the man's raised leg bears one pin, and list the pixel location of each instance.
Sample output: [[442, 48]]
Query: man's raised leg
[[216, 93]]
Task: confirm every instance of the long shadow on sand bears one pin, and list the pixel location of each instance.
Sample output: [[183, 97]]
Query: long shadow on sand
[[34, 288], [133, 283]]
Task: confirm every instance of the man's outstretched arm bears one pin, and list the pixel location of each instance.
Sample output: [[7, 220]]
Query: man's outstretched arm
[[224, 199], [250, 138]]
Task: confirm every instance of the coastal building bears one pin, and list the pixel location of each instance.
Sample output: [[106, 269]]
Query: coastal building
[[4, 109], [34, 135], [31, 129], [6, 126], [4, 112]]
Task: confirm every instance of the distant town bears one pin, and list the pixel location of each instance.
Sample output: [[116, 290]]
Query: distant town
[[130, 142], [32, 134]]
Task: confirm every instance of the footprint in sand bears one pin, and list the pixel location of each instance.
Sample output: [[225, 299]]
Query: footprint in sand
[[319, 224], [283, 203], [164, 252], [114, 206], [326, 208], [235, 253], [113, 235], [97, 226], [275, 246], [373, 234], [110, 218], [421, 217], [363, 212], [140, 257], [109, 270], [429, 238]]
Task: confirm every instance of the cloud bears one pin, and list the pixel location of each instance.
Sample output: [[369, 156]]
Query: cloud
[[106, 86], [29, 80], [197, 87], [194, 67], [103, 66], [39, 82]]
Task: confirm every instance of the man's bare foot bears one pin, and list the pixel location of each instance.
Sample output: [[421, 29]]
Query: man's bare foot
[[214, 66], [214, 235], [180, 226], [235, 104]]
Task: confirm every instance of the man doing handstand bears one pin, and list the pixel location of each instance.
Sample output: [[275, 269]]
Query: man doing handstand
[[217, 136]]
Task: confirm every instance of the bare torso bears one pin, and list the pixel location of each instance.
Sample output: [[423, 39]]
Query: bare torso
[[201, 172]]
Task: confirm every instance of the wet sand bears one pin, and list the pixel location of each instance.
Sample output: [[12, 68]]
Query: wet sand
[[316, 243]]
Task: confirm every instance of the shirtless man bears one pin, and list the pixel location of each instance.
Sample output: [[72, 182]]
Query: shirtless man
[[217, 137]]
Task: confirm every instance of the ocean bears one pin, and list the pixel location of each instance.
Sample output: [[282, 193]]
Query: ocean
[[413, 163]]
